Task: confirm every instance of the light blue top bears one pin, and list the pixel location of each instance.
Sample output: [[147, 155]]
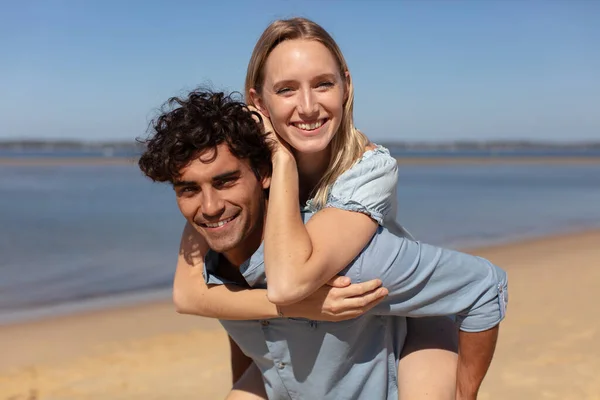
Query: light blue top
[[369, 187], [357, 359]]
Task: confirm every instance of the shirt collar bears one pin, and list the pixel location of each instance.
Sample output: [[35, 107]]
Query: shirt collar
[[252, 269]]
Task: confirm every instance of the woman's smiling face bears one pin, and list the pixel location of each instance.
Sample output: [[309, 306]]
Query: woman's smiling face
[[303, 94]]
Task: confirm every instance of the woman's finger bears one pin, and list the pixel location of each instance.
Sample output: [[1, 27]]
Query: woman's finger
[[339, 281], [358, 289], [357, 312], [365, 301]]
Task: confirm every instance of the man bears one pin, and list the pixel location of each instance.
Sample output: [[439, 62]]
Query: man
[[218, 161]]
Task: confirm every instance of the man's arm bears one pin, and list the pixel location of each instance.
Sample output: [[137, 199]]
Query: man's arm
[[336, 301], [249, 387], [475, 353], [239, 361]]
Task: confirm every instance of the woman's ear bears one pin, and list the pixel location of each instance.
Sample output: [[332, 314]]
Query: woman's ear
[[257, 100], [346, 86]]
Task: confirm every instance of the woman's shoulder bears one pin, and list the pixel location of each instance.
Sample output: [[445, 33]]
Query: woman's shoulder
[[376, 153], [369, 186], [376, 165]]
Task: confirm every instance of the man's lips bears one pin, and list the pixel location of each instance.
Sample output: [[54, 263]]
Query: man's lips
[[218, 224]]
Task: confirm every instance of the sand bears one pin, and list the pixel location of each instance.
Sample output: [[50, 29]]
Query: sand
[[549, 344]]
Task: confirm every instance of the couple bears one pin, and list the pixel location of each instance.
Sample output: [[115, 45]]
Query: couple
[[313, 201]]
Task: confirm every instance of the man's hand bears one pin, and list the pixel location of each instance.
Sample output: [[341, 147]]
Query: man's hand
[[338, 300]]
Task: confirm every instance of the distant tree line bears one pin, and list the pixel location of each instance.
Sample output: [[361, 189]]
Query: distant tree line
[[69, 145], [466, 145], [461, 145]]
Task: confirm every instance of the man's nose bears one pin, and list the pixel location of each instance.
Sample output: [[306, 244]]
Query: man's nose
[[308, 103], [212, 204]]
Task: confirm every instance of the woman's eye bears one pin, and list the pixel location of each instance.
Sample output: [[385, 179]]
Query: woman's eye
[[283, 90], [325, 84]]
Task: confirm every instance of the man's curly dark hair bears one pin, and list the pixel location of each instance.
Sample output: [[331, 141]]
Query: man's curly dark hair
[[202, 121]]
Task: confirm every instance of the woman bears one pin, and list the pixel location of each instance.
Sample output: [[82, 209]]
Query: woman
[[298, 79]]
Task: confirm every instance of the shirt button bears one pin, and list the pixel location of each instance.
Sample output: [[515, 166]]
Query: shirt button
[[281, 365], [264, 323]]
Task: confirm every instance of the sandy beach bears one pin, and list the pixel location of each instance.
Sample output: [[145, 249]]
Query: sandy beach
[[549, 345]]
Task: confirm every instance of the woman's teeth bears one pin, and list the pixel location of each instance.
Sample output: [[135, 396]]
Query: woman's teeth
[[310, 127], [219, 224]]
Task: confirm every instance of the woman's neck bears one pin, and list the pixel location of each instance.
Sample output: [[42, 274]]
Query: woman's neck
[[311, 168]]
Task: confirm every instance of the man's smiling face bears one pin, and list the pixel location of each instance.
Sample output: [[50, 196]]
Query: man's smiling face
[[224, 200]]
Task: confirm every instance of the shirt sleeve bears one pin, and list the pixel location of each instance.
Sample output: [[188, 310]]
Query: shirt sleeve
[[425, 280], [368, 187]]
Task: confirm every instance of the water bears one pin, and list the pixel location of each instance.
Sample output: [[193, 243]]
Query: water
[[78, 233], [459, 205], [81, 237]]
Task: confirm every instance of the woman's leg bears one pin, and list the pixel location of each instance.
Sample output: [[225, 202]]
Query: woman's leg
[[427, 368], [249, 387]]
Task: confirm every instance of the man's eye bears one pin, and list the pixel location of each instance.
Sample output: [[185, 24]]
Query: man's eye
[[224, 183], [187, 191]]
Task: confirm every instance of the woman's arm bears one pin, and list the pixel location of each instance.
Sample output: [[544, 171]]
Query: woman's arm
[[192, 295], [336, 301], [301, 258]]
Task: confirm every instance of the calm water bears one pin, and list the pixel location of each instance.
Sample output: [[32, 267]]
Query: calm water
[[79, 237]]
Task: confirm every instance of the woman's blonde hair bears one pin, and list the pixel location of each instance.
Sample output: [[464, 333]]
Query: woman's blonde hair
[[348, 144]]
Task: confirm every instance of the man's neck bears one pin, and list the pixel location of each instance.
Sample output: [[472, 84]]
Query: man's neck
[[236, 257]]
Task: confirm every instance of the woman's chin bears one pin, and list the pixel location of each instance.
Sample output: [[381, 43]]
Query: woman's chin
[[310, 145], [313, 146]]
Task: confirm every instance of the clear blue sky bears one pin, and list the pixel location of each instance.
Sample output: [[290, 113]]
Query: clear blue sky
[[423, 70]]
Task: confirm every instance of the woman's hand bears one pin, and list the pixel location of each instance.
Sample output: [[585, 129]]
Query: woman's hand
[[338, 300], [280, 146]]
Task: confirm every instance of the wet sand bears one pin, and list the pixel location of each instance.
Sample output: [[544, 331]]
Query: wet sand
[[549, 344]]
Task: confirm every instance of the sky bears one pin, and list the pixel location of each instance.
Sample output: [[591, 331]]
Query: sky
[[423, 70]]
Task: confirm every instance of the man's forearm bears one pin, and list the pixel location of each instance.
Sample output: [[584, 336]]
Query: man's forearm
[[475, 353], [239, 361]]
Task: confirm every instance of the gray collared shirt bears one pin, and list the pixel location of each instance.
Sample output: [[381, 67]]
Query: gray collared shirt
[[357, 359]]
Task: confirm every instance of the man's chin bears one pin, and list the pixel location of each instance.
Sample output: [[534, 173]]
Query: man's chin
[[220, 246]]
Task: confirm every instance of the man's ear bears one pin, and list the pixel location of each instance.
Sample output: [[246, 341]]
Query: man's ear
[[265, 181], [258, 102]]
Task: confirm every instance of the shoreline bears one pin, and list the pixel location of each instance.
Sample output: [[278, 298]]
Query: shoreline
[[547, 346], [409, 160], [77, 307]]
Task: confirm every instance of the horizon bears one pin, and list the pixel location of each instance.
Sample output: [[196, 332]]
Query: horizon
[[440, 71], [393, 142]]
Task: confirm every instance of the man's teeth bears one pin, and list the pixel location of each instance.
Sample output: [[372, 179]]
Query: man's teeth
[[311, 127], [218, 224]]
